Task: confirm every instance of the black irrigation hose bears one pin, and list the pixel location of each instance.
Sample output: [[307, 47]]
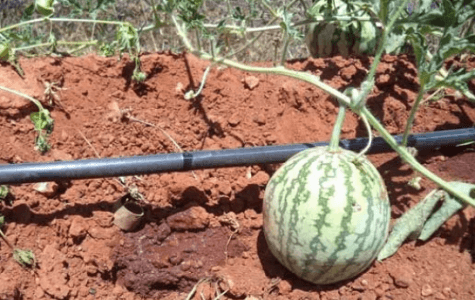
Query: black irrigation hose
[[148, 164]]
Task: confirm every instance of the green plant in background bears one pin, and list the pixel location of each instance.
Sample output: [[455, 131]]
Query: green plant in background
[[19, 37]]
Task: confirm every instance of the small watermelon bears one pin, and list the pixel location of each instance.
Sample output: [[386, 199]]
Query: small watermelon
[[341, 37], [326, 214]]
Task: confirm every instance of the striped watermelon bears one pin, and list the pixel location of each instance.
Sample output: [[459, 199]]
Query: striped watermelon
[[326, 214], [344, 38]]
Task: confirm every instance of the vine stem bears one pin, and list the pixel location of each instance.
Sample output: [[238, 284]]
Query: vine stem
[[387, 31], [66, 43], [6, 240], [60, 20], [412, 116], [334, 144], [277, 27], [36, 102], [405, 155]]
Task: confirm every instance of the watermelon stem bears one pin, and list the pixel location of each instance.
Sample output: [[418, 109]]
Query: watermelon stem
[[334, 145]]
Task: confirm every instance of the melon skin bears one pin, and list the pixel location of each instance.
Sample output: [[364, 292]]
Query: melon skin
[[326, 215], [345, 38]]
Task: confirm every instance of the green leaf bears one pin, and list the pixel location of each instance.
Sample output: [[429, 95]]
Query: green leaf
[[286, 24], [2, 220], [450, 206], [5, 50], [26, 258], [421, 222], [28, 12], [237, 14], [4, 192], [107, 49], [410, 224], [41, 143], [42, 120], [455, 80], [128, 39]]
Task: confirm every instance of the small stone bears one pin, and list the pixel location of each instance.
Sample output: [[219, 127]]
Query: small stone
[[48, 189], [163, 231], [175, 260], [426, 290], [439, 296], [78, 228], [179, 89], [402, 277], [118, 94], [194, 218], [284, 287], [234, 120], [260, 178], [251, 82], [91, 269], [185, 266], [447, 291], [60, 155], [260, 119], [102, 233], [250, 214], [114, 113]]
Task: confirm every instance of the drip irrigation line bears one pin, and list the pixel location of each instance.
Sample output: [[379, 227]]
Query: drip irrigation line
[[173, 162]]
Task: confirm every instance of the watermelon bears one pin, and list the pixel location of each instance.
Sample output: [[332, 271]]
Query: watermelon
[[344, 38], [326, 214]]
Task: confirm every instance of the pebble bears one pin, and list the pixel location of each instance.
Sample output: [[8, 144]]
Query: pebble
[[193, 218], [284, 287], [426, 290], [78, 228], [402, 277], [48, 189], [234, 120], [251, 82], [447, 291], [260, 119]]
